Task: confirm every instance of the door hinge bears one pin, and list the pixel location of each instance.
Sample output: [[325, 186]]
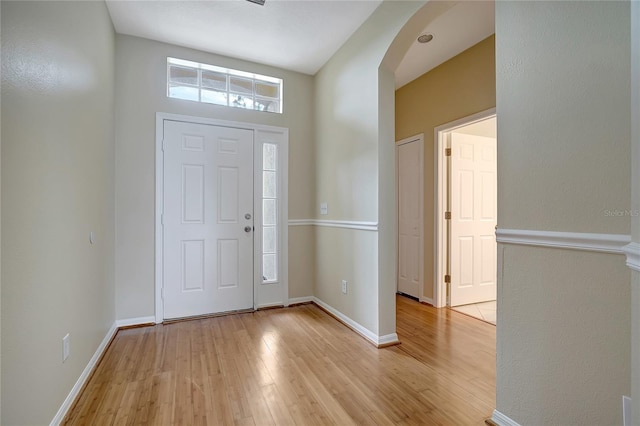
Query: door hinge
[[162, 293], [162, 219], [447, 152], [447, 279], [447, 215], [163, 144]]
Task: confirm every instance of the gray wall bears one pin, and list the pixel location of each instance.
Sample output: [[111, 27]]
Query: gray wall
[[563, 96], [57, 187], [635, 206]]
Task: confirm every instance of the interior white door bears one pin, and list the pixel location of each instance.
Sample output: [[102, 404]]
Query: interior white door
[[409, 218], [207, 219], [473, 194]]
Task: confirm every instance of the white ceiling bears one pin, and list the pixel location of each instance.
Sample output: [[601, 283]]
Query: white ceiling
[[456, 30], [299, 35]]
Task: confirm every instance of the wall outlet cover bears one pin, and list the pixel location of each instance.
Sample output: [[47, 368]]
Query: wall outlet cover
[[66, 347]]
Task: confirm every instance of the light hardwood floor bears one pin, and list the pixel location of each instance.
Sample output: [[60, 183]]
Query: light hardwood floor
[[295, 366]]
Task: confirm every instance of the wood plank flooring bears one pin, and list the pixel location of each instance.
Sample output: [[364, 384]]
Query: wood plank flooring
[[295, 366]]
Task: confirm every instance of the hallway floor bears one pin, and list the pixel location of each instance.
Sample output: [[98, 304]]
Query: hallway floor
[[485, 311], [295, 365]]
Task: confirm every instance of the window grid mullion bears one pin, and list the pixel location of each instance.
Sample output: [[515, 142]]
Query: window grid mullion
[[252, 78]]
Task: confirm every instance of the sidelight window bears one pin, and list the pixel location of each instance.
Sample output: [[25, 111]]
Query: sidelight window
[[270, 198]]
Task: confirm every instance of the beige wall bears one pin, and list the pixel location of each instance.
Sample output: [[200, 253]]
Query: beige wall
[[57, 187], [0, 241], [462, 86], [563, 352], [354, 121], [563, 97], [140, 93]]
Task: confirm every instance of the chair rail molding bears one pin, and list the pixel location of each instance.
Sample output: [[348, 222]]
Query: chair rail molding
[[346, 224], [632, 250], [603, 243]]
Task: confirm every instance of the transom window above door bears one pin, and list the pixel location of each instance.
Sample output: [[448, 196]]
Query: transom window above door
[[223, 86]]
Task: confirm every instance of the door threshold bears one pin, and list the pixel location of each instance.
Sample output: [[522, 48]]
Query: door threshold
[[205, 316]]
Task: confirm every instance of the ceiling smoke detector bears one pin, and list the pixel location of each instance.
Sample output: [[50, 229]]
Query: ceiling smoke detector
[[424, 38]]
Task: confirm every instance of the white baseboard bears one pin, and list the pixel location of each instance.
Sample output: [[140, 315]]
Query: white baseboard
[[502, 420], [388, 339], [128, 322], [270, 305], [372, 337], [428, 300], [75, 391], [358, 328], [298, 300]]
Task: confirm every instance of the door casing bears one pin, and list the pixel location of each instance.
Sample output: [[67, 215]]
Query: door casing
[[440, 202], [265, 295]]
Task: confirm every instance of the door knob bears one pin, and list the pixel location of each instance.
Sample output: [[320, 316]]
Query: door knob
[[247, 229]]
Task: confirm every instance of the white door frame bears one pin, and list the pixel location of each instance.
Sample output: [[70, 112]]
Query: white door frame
[[265, 295], [440, 202], [420, 140]]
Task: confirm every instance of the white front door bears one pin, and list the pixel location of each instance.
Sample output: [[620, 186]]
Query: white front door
[[207, 219], [409, 156], [473, 194]]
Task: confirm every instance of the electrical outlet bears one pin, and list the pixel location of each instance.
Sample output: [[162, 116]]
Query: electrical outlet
[[324, 209], [66, 347], [344, 286]]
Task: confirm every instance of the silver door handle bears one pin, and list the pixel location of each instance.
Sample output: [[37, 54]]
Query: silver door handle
[[247, 229]]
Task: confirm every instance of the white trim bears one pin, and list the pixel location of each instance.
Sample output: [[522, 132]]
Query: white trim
[[632, 250], [428, 300], [388, 339], [301, 222], [440, 200], [297, 300], [502, 420], [270, 305], [603, 243], [128, 322], [632, 258], [353, 325], [283, 219], [420, 140], [258, 130], [217, 122], [75, 391], [272, 293], [159, 235], [346, 224]]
